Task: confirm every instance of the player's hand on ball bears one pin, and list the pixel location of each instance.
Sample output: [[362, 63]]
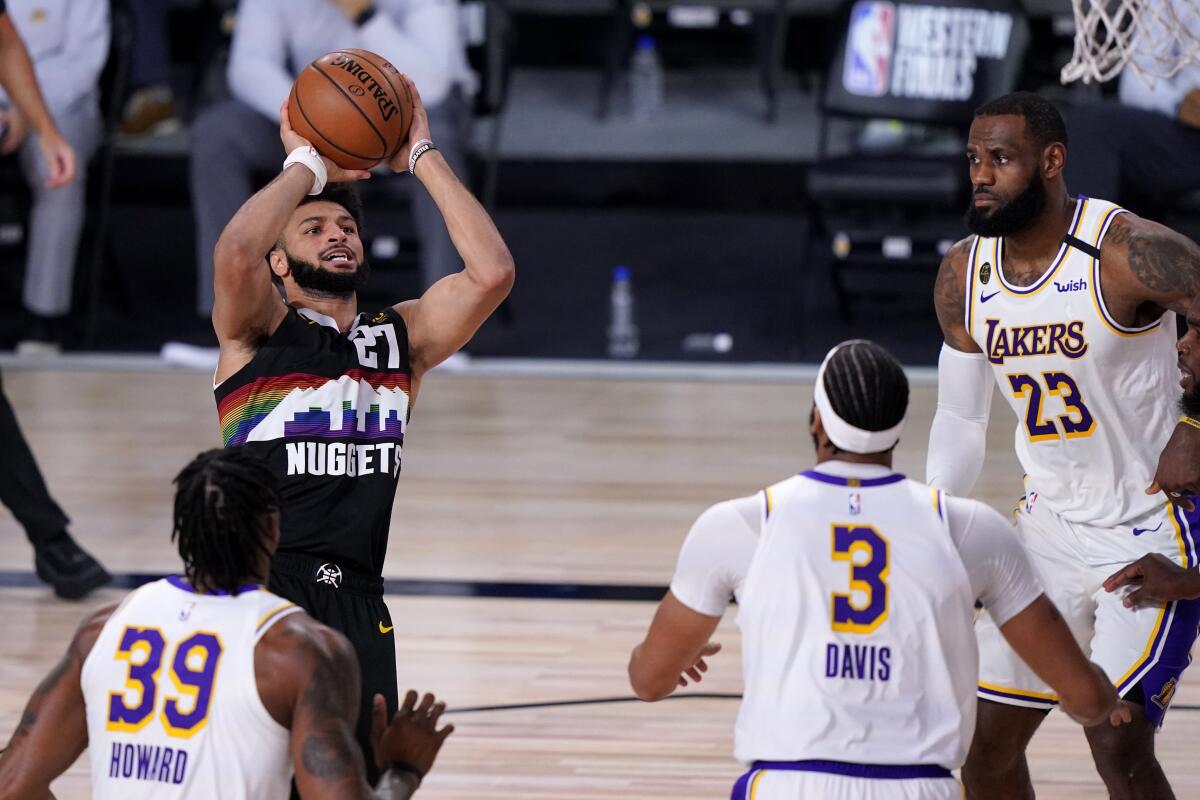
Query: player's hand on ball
[[701, 666], [416, 132], [291, 140], [412, 738]]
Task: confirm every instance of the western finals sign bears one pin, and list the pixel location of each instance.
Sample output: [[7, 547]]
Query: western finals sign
[[920, 52]]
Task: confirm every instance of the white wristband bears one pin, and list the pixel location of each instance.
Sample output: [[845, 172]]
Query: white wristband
[[419, 148], [309, 157]]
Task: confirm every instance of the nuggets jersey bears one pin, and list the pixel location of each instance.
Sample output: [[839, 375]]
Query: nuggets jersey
[[173, 709], [856, 615], [1093, 398], [327, 410]]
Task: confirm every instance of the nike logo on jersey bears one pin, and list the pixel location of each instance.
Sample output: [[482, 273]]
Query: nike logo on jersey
[[388, 629], [983, 298], [1140, 531]]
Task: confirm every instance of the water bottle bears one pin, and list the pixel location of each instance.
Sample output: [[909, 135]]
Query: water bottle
[[622, 330], [645, 80]]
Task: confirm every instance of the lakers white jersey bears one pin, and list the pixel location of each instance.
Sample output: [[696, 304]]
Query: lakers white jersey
[[173, 709], [1093, 399], [856, 615]]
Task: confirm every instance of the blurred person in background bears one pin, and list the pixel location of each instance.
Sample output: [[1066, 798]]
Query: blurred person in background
[[150, 109], [67, 41], [58, 559], [272, 42]]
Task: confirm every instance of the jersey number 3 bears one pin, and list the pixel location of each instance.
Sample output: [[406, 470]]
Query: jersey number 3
[[193, 669], [1076, 423], [865, 607]]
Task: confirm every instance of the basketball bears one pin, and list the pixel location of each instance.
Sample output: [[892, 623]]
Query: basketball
[[353, 106]]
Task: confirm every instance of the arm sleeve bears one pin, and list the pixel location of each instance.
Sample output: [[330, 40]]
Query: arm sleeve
[[258, 72], [996, 564], [71, 72], [716, 556], [957, 440], [426, 45]]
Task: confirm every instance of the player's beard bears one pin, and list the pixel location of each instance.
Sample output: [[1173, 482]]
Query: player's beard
[[1013, 217], [314, 279], [1189, 404]]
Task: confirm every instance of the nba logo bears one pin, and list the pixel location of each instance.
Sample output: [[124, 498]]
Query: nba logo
[[868, 66], [855, 503], [1030, 499]]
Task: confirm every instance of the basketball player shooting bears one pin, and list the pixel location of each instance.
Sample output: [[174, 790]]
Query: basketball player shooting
[[859, 669], [322, 392], [257, 689], [1068, 304]]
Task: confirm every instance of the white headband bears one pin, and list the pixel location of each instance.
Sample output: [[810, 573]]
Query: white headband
[[842, 433]]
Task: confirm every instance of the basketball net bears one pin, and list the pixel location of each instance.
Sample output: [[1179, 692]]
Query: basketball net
[[1156, 37]]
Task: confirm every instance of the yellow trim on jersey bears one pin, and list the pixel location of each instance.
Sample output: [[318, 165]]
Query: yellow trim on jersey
[[1183, 556], [1059, 259], [1162, 613], [267, 617], [972, 270], [1019, 692], [754, 782], [767, 495]]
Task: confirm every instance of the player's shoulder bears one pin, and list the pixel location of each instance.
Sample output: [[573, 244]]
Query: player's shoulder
[[303, 640], [963, 512], [90, 628], [956, 257]]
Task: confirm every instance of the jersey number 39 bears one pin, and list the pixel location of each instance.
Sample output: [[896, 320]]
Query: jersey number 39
[[865, 607], [193, 670]]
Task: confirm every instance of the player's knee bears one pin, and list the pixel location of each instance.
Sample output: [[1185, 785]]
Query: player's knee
[[1121, 753]]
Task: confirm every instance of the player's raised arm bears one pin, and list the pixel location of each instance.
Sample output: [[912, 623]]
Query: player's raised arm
[[53, 728], [957, 439], [448, 314], [247, 305]]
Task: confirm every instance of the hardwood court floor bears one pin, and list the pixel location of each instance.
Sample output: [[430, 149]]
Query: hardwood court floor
[[505, 479]]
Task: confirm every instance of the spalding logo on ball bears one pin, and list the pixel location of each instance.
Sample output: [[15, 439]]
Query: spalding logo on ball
[[353, 106]]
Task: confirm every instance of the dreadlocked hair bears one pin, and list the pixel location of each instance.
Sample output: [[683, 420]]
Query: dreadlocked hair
[[223, 500], [866, 386]]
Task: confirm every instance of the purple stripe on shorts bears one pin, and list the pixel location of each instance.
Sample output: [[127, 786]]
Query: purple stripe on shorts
[[1160, 680], [883, 772], [741, 789]]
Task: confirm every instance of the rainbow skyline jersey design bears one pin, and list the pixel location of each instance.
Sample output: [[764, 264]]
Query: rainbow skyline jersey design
[[327, 410]]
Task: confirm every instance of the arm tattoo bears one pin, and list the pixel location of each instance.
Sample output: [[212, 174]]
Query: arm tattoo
[[30, 716], [1161, 259], [329, 751], [949, 294]]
